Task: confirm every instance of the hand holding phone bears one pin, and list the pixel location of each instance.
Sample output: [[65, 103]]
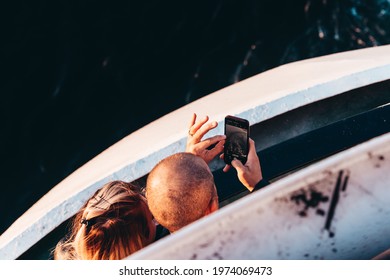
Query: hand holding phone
[[237, 139], [249, 174]]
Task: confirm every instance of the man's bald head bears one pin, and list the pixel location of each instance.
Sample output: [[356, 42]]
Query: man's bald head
[[180, 190]]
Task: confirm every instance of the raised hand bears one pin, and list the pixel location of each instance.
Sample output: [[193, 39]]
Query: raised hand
[[209, 148]]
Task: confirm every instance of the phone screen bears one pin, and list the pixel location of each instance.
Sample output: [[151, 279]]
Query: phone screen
[[237, 135]]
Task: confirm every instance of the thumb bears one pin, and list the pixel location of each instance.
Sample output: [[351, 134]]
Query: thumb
[[237, 164], [240, 168]]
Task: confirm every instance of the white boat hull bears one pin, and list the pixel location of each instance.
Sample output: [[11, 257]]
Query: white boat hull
[[338, 208]]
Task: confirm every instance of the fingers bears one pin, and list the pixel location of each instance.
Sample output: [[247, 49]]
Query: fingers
[[238, 165], [208, 153], [199, 132], [192, 121], [221, 143], [194, 126], [218, 148], [227, 166], [200, 128], [217, 140], [243, 174]]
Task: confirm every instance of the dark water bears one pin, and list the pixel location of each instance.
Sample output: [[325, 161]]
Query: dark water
[[77, 76]]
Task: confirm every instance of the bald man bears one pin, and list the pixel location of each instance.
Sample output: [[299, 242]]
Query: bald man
[[180, 189]]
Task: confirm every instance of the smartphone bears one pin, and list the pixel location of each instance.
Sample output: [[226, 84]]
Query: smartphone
[[237, 139]]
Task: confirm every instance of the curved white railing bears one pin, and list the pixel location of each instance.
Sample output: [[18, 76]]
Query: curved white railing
[[258, 98]]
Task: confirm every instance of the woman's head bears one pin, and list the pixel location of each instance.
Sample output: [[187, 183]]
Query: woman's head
[[114, 223]]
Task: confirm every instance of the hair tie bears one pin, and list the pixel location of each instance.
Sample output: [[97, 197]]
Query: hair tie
[[84, 222], [88, 223]]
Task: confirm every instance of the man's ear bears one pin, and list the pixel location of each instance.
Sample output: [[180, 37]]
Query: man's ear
[[213, 206]]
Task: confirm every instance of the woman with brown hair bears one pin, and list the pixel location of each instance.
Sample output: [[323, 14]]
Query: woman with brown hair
[[114, 223]]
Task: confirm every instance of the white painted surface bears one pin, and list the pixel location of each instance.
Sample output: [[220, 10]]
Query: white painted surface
[[268, 225], [258, 98]]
